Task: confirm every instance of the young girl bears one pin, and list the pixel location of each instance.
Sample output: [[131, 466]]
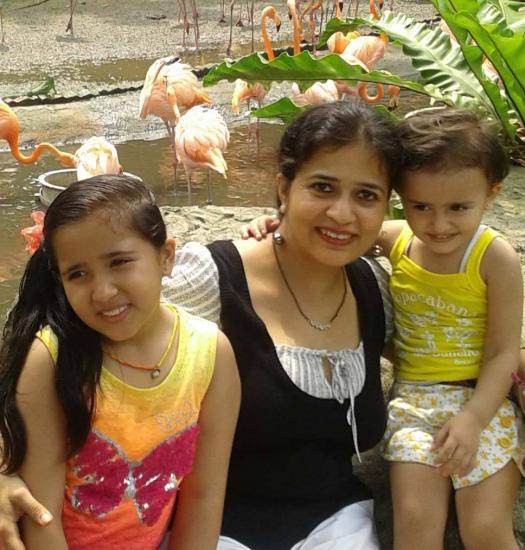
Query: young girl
[[458, 301], [457, 292], [108, 392]]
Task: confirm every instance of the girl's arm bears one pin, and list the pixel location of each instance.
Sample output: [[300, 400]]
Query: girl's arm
[[43, 468], [459, 438], [200, 500]]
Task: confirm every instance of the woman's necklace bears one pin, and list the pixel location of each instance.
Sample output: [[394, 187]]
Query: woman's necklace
[[311, 322], [155, 369]]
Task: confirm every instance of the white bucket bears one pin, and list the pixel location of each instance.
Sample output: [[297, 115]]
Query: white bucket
[[54, 182]]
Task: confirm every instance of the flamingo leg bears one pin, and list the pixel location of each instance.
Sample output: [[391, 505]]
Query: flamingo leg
[[171, 134], [229, 48], [185, 24], [223, 15], [239, 22], [188, 184], [195, 15], [209, 201], [252, 23], [2, 41]]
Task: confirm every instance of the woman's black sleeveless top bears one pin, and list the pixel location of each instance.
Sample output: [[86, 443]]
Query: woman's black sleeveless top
[[291, 459]]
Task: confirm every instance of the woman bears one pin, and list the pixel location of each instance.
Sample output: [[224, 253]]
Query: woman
[[306, 319]]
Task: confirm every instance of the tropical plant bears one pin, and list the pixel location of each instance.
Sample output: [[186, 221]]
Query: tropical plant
[[451, 71]]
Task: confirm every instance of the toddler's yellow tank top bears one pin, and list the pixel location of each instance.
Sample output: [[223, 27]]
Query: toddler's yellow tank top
[[440, 319]]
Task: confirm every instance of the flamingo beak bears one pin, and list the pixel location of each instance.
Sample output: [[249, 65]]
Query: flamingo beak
[[278, 27]]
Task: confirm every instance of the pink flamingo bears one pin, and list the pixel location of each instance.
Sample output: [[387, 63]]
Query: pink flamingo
[[201, 137], [292, 14], [96, 156], [169, 87], [257, 91], [10, 131], [320, 92], [243, 90]]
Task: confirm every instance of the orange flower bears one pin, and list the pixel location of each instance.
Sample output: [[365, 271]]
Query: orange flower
[[33, 234]]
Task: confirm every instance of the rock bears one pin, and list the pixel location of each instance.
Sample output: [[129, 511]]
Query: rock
[[208, 223]]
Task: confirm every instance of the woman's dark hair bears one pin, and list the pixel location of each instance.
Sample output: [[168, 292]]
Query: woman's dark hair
[[451, 139], [42, 301], [333, 125]]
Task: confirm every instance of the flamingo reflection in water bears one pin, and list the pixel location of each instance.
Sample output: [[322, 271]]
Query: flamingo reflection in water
[[201, 137]]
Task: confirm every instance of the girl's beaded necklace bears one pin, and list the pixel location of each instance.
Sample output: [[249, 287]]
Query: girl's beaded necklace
[[155, 369]]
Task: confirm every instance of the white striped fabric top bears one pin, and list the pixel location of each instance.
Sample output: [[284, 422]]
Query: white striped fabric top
[[194, 285]]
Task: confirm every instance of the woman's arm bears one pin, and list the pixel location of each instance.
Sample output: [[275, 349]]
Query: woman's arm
[[388, 234], [200, 500], [43, 468], [194, 282], [459, 437]]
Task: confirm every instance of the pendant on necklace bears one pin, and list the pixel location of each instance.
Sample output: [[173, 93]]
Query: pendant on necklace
[[155, 373], [319, 326]]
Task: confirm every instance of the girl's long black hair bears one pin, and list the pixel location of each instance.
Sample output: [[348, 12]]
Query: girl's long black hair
[[42, 301]]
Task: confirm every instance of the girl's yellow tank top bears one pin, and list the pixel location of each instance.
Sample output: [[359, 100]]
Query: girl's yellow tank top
[[122, 484]]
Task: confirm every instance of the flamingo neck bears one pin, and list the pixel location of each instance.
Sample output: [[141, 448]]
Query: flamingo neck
[[373, 10], [363, 93], [65, 158], [266, 38]]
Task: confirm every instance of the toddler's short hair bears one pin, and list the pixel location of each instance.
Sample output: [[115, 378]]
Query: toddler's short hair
[[447, 139]]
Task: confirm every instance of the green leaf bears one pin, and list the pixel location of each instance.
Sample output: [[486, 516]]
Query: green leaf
[[509, 9], [502, 51], [438, 60], [306, 70], [287, 110], [284, 108]]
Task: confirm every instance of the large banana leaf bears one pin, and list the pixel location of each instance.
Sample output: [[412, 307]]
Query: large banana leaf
[[492, 40], [306, 69]]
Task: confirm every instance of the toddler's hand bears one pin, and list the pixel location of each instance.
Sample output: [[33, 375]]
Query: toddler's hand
[[259, 227], [457, 444]]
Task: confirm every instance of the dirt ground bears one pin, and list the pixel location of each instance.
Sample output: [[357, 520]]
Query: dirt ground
[[35, 38]]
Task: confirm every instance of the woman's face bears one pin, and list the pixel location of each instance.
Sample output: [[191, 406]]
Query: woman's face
[[334, 207]]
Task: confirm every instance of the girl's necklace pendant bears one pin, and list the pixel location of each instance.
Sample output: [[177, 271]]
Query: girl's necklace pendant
[[155, 373], [319, 326]]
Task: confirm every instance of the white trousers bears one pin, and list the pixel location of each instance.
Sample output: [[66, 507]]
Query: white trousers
[[351, 527]]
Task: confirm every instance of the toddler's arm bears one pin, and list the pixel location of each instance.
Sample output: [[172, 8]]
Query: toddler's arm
[[458, 440], [200, 500], [43, 468]]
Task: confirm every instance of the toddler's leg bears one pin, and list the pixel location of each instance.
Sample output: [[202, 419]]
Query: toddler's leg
[[420, 497], [485, 511]]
